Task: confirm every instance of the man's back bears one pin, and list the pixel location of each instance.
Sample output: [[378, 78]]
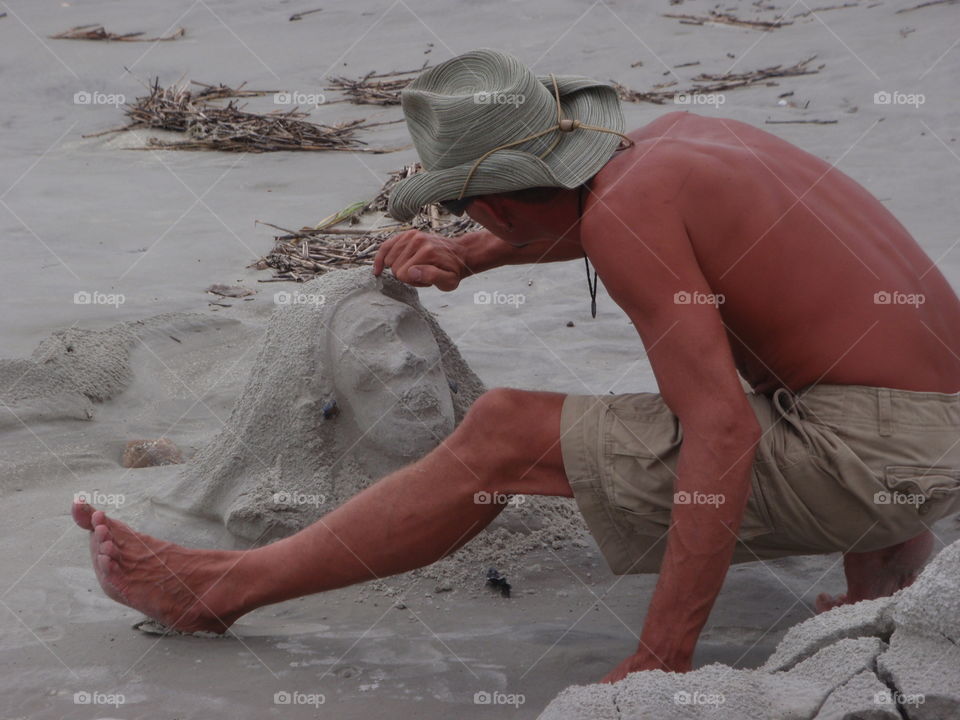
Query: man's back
[[819, 282]]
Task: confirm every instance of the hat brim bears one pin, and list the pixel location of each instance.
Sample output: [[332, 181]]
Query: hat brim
[[577, 157]]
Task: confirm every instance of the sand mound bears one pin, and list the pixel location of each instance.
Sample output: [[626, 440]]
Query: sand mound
[[66, 374]]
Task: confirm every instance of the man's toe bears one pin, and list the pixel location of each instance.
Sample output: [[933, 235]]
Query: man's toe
[[82, 515]]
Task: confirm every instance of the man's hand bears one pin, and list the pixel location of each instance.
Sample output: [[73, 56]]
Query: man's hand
[[641, 661], [422, 259]]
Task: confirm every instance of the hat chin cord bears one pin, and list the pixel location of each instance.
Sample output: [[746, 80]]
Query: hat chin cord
[[563, 125]]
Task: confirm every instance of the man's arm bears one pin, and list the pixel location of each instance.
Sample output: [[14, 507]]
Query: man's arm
[[424, 259], [644, 270]]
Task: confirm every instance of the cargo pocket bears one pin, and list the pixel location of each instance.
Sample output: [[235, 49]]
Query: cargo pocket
[[934, 492], [641, 445]]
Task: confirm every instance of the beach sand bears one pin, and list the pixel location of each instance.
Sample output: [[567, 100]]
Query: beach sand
[[90, 215]]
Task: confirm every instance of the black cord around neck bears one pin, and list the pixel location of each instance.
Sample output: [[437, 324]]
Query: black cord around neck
[[591, 286]]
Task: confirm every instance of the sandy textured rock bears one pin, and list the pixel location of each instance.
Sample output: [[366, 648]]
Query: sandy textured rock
[[869, 618], [932, 604], [719, 692], [715, 691], [839, 662], [926, 674], [593, 702], [863, 697]]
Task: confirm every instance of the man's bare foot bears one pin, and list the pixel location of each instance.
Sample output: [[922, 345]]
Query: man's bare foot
[[188, 590], [880, 573]]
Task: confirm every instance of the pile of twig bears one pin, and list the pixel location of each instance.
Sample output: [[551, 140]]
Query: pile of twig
[[336, 243], [98, 32], [707, 83], [375, 89], [211, 126], [720, 18]]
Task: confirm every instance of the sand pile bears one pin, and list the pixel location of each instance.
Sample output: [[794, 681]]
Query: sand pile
[[891, 658], [354, 379], [67, 373]]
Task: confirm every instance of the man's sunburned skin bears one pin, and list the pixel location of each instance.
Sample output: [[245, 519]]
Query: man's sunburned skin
[[798, 251]]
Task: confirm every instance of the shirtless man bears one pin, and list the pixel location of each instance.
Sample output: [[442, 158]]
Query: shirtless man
[[730, 250]]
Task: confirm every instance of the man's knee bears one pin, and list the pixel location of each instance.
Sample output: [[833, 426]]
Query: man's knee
[[494, 417], [506, 428]]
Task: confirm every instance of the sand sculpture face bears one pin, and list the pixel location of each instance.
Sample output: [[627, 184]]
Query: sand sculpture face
[[397, 381], [387, 375]]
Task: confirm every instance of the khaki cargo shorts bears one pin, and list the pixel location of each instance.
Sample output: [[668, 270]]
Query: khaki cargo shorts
[[838, 468]]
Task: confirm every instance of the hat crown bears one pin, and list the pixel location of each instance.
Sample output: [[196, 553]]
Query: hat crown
[[457, 111]]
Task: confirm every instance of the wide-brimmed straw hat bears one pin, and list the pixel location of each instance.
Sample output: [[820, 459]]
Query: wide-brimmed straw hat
[[483, 123]]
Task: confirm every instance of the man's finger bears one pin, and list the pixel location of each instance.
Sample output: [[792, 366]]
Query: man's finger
[[427, 275], [404, 247], [378, 261]]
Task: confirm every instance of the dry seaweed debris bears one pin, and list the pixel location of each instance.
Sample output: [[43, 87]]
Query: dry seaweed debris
[[336, 243], [373, 88], [720, 18], [930, 3], [708, 83], [98, 32], [211, 126]]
